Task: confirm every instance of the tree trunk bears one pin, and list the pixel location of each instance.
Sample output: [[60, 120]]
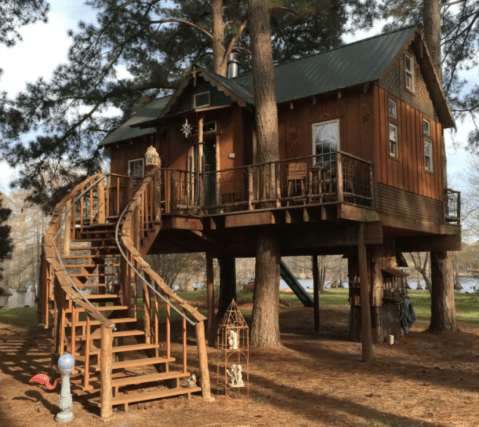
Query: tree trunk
[[316, 282], [432, 33], [227, 284], [443, 308], [219, 50], [265, 322]]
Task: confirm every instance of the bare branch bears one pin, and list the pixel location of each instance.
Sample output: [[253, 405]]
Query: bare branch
[[234, 40], [183, 21]]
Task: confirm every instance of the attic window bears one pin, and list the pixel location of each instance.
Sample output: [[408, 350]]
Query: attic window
[[426, 127], [409, 68], [393, 109], [202, 99], [136, 168]]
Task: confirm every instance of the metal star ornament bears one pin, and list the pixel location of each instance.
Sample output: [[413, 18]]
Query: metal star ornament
[[187, 129]]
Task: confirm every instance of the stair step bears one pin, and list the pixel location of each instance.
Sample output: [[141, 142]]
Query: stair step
[[115, 335], [91, 256], [95, 231], [92, 274], [93, 248], [107, 308], [101, 296], [89, 265], [102, 225], [143, 397], [97, 322], [141, 379], [99, 239], [128, 363], [91, 285]]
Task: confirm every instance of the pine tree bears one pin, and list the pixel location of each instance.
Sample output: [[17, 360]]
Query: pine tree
[[156, 41], [6, 243]]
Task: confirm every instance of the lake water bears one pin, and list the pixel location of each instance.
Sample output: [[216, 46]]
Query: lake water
[[469, 284]]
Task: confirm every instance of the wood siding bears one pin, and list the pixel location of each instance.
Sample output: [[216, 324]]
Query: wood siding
[[407, 171], [396, 202]]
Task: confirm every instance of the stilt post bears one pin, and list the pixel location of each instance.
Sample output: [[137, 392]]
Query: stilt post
[[210, 298], [316, 292], [106, 394], [367, 345]]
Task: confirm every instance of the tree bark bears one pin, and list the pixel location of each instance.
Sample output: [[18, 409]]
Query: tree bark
[[316, 283], [227, 284], [443, 307], [210, 297], [219, 50], [265, 322], [432, 33]]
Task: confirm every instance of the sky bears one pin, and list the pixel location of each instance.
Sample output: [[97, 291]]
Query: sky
[[45, 46]]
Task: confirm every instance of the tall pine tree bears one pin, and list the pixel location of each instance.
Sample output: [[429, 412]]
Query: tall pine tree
[[6, 243]]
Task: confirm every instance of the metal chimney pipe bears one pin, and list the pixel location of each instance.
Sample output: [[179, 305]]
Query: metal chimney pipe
[[232, 62]]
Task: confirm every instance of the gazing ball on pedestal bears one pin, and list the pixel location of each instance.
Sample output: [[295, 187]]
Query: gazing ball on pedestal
[[66, 362]]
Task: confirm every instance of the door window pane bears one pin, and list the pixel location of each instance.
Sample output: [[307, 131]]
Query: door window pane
[[326, 140]]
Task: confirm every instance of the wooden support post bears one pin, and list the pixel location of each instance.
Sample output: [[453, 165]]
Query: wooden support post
[[101, 202], [340, 177], [185, 343], [210, 299], [106, 393], [227, 283], [157, 197], [316, 292], [367, 345], [250, 189], [86, 374], [174, 190], [147, 310], [203, 362]]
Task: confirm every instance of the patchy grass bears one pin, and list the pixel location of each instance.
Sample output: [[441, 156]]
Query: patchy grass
[[24, 317]]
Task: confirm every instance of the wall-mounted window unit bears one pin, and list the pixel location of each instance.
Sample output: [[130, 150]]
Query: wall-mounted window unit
[[202, 100], [409, 69], [393, 140], [428, 163], [136, 168]]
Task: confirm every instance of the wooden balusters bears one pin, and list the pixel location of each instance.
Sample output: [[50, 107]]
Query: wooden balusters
[[277, 169], [117, 196], [147, 310], [174, 190], [339, 178], [101, 201], [86, 377], [250, 188], [185, 344], [68, 229]]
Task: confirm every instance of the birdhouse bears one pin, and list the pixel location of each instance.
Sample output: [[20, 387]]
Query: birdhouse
[[151, 157]]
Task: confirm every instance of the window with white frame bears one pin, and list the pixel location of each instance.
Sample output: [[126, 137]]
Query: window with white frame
[[393, 140], [393, 109], [202, 99], [426, 127], [325, 141], [136, 168], [409, 68], [428, 163]]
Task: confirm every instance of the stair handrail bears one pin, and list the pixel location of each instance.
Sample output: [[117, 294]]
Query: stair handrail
[[52, 254], [129, 245]]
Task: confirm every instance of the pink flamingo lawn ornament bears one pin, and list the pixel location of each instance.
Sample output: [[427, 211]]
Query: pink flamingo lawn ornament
[[43, 379]]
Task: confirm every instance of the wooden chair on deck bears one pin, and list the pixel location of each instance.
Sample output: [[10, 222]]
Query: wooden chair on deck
[[297, 173]]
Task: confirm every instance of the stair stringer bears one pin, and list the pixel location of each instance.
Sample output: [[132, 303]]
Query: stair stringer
[[129, 234]]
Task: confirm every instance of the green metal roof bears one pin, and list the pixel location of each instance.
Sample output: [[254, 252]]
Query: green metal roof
[[359, 62], [125, 132]]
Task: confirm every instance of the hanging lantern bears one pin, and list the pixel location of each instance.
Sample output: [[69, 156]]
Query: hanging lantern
[[151, 157], [187, 129]]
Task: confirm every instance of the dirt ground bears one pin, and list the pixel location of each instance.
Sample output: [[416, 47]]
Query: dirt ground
[[313, 380]]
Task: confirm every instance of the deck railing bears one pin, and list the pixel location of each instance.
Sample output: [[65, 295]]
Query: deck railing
[[452, 206], [327, 178]]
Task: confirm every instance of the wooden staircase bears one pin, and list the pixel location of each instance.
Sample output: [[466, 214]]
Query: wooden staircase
[[93, 274]]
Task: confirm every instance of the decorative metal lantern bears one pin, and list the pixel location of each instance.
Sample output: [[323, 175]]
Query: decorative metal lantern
[[151, 157], [65, 403], [233, 352]]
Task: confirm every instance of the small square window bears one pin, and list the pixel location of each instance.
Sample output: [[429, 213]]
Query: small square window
[[426, 127], [409, 68], [202, 99], [393, 140], [428, 163], [393, 109], [136, 168]]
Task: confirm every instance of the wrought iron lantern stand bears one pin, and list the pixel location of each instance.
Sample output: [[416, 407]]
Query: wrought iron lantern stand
[[232, 345]]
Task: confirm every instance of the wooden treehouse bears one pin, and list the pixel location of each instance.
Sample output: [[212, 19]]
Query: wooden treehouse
[[361, 163]]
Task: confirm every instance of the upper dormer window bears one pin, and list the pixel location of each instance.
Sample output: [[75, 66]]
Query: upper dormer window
[[202, 100], [393, 109], [409, 72]]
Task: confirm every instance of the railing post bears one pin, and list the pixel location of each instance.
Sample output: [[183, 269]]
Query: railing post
[[101, 202], [174, 190], [68, 230], [278, 183], [339, 178], [250, 188], [105, 373], [203, 362]]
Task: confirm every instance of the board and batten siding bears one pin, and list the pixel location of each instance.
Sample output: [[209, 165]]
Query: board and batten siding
[[407, 172]]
